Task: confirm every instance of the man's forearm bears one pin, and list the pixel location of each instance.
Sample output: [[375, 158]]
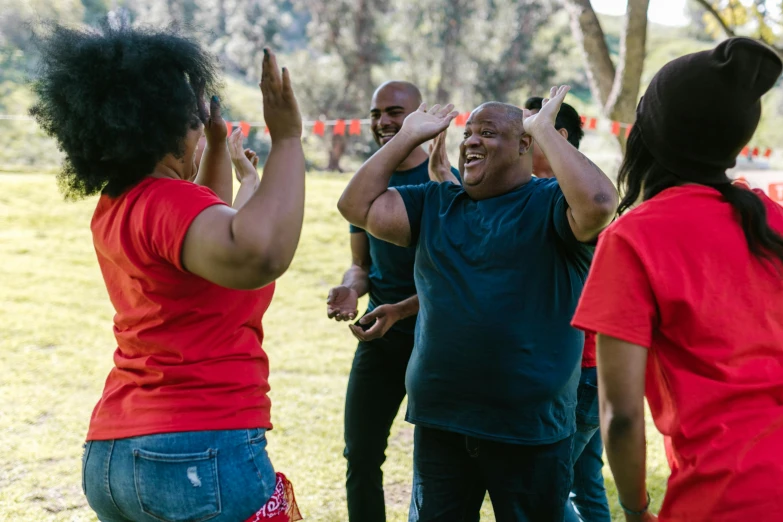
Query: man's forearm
[[409, 307], [372, 179], [625, 443], [358, 279], [589, 193], [215, 171]]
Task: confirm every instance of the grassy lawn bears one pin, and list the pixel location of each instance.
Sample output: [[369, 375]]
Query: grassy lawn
[[56, 346]]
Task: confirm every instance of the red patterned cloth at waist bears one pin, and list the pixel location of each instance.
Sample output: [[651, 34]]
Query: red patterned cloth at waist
[[281, 507]]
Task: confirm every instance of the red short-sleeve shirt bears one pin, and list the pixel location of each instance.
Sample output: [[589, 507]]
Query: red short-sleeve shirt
[[675, 276], [189, 354]]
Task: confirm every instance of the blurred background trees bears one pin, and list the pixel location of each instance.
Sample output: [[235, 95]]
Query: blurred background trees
[[462, 51]]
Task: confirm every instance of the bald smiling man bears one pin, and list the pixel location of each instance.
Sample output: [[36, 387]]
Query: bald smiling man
[[500, 264]]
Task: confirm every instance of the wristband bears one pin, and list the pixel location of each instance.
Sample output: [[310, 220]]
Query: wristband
[[630, 512]]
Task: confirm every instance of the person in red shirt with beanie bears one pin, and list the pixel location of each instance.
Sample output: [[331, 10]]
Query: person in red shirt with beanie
[[179, 432], [686, 295]]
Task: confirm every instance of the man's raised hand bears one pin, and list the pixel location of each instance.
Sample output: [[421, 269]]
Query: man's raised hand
[[546, 116], [424, 124]]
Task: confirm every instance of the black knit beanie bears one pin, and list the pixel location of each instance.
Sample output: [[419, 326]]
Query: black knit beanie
[[701, 109]]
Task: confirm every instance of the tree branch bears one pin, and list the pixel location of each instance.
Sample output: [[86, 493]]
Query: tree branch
[[715, 14]]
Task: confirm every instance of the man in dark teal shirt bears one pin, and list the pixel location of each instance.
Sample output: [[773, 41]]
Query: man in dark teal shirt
[[376, 386], [500, 264]]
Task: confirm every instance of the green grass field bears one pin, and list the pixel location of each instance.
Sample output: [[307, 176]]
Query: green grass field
[[56, 346]]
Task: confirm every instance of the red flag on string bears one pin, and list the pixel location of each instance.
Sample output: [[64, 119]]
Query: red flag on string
[[768, 153], [319, 128], [593, 123], [584, 120], [355, 128], [628, 130], [462, 119], [755, 152], [616, 128], [229, 127], [245, 128], [339, 128], [745, 151], [266, 130]]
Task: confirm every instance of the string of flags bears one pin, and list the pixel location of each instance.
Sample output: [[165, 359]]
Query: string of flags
[[353, 127]]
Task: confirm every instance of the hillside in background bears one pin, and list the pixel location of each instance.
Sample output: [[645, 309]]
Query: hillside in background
[[317, 60]]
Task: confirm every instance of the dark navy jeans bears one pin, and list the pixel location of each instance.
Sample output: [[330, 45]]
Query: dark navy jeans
[[220, 476], [588, 497], [452, 473]]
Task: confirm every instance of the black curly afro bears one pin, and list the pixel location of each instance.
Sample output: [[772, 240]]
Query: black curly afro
[[118, 100]]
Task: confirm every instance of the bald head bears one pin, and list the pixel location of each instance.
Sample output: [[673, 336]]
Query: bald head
[[406, 89], [391, 103], [509, 114]]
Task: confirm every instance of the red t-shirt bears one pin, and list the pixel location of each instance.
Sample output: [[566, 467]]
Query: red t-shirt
[[588, 354], [675, 276], [189, 355]]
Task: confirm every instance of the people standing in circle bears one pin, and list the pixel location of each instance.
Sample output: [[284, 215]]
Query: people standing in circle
[[588, 494], [493, 374], [180, 430], [685, 294], [376, 385]]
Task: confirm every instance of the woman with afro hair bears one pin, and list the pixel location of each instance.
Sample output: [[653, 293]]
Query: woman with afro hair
[[179, 432]]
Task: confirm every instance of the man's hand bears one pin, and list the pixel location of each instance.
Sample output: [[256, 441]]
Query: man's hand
[[385, 316], [342, 303], [423, 124], [439, 167], [546, 116], [243, 164], [281, 111]]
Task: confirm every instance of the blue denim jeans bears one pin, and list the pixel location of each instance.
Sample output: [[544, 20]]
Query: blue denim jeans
[[221, 476], [452, 473], [588, 497]]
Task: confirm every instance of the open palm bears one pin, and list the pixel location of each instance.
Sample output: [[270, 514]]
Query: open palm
[[422, 124], [546, 116]]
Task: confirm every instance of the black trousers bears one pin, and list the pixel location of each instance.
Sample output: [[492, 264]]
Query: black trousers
[[376, 388]]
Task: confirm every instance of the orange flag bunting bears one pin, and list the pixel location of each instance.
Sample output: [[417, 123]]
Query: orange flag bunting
[[245, 128], [229, 127], [584, 120], [339, 128], [768, 153], [745, 151], [593, 124], [756, 152], [616, 128], [319, 128], [356, 128], [628, 130], [462, 119]]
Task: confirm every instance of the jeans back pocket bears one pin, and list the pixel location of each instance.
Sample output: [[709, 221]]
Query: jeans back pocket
[[177, 487]]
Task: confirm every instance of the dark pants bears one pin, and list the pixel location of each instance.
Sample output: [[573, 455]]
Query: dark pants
[[452, 473], [376, 388], [588, 495]]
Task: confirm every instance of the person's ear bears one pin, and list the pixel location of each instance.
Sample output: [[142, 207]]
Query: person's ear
[[563, 132], [525, 144]]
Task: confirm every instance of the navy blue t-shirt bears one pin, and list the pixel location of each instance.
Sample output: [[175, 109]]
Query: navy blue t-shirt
[[495, 356], [391, 266]]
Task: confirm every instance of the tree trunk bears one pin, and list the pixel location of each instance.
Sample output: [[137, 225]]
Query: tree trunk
[[590, 36], [617, 90], [622, 102], [336, 152]]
